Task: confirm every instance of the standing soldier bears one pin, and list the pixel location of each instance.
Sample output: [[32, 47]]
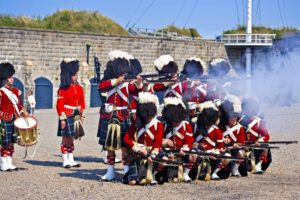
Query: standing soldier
[[10, 108], [70, 109], [114, 115]]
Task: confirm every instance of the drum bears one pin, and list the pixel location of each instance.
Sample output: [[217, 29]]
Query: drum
[[26, 129]]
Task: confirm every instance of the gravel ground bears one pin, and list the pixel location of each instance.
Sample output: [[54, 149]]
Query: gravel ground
[[42, 177]]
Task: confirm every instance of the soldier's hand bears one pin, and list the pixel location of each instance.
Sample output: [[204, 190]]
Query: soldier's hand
[[139, 79], [202, 146], [143, 151], [120, 79], [150, 159], [181, 152], [226, 140], [170, 143]]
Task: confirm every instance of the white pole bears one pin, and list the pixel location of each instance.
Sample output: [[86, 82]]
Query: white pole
[[248, 49]]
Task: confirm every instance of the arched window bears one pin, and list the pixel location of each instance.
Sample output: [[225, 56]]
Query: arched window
[[43, 93]]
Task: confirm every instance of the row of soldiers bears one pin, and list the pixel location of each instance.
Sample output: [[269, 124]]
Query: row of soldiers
[[197, 133]]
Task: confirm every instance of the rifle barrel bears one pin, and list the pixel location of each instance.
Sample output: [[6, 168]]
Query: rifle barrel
[[280, 142]]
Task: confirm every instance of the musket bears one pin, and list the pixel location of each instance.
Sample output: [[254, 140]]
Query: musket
[[252, 146], [205, 154], [148, 77], [275, 142], [159, 160]]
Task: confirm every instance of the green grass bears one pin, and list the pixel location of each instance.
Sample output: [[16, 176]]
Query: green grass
[[68, 20], [279, 32], [191, 32]]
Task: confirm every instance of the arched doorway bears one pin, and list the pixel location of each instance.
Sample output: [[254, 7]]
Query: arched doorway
[[18, 84], [95, 98], [43, 93]]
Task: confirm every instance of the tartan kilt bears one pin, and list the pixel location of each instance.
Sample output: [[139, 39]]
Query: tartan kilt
[[9, 133], [69, 130], [103, 126]]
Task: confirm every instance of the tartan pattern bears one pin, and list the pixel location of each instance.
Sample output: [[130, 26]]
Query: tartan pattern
[[133, 172], [69, 130], [9, 133], [103, 125]]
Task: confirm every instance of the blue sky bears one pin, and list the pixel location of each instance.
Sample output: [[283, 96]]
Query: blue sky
[[209, 17]]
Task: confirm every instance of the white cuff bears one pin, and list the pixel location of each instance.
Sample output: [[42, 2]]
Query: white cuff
[[63, 116], [114, 82]]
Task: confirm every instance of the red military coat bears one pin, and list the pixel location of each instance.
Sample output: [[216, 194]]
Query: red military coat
[[213, 140], [257, 131], [7, 108], [236, 133], [149, 136], [182, 136], [69, 99]]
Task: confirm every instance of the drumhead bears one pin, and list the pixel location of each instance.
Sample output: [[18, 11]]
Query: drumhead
[[25, 123]]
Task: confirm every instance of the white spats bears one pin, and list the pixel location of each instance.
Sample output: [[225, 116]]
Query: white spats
[[66, 163], [173, 101], [186, 175], [9, 163], [235, 170], [162, 61], [110, 174], [4, 164], [258, 169], [72, 161]]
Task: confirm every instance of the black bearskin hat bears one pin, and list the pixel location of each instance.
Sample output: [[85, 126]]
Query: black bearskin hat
[[250, 107], [6, 71], [174, 110], [136, 67], [146, 108], [208, 117], [218, 67], [68, 69], [193, 67], [117, 65], [165, 64], [227, 112]]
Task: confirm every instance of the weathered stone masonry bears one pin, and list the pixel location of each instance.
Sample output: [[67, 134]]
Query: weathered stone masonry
[[37, 53]]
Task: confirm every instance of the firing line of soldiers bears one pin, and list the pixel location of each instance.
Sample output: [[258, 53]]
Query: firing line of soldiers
[[199, 132]]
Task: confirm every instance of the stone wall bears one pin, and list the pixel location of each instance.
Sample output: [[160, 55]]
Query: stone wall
[[42, 51]]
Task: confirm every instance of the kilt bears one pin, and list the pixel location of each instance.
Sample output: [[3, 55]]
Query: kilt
[[9, 133], [103, 126], [69, 130]]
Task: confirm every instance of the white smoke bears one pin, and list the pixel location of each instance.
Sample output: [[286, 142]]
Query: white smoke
[[275, 73]]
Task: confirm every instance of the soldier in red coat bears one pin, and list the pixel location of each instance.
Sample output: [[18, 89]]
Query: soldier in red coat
[[10, 108], [218, 69], [114, 115], [178, 133], [144, 138], [209, 139], [234, 135], [193, 69], [70, 108], [256, 131]]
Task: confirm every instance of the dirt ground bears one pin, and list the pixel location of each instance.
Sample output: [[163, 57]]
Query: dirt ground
[[42, 177]]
